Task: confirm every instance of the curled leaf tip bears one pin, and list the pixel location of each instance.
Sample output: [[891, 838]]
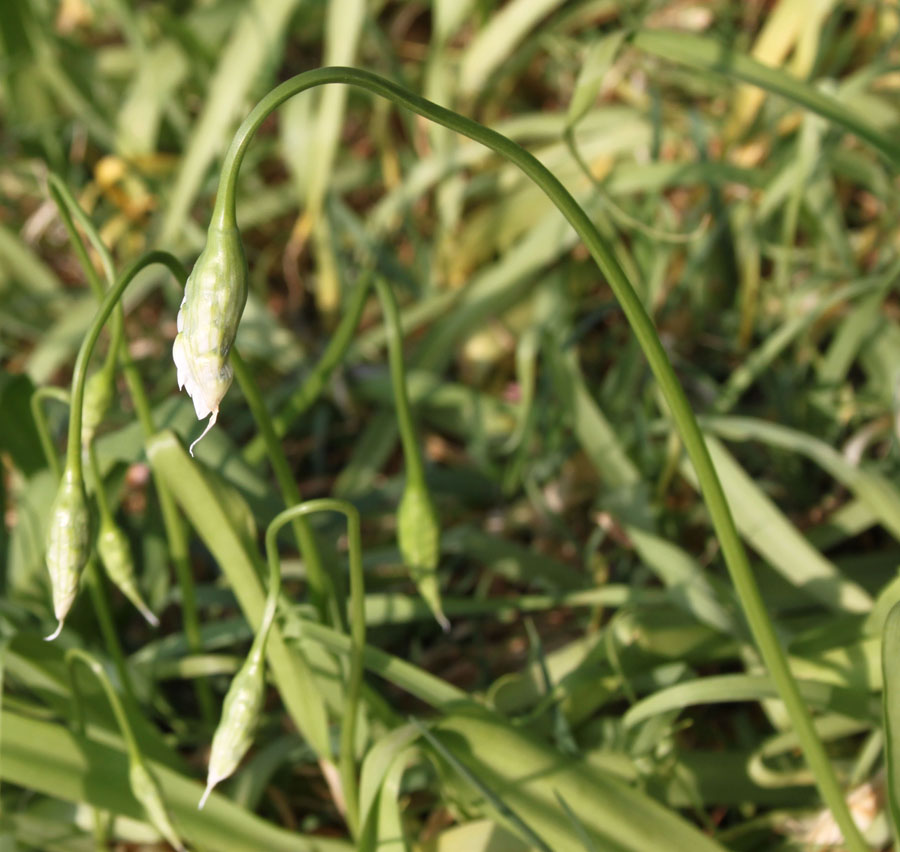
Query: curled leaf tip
[[212, 422], [55, 633]]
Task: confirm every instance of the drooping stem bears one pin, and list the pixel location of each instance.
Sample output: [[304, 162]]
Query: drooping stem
[[357, 629], [224, 215], [412, 453], [110, 300], [74, 655]]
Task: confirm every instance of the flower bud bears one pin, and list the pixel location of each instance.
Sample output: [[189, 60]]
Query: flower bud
[[214, 300], [146, 791], [98, 394], [115, 554], [240, 715], [68, 544], [418, 536]]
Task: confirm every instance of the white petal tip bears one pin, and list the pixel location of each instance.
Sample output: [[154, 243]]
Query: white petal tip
[[149, 617], [212, 422], [209, 787], [443, 621], [55, 633]]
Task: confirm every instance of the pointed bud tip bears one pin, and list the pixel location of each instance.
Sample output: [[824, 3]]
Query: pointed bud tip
[[212, 422], [149, 617], [443, 621], [55, 633], [211, 782]]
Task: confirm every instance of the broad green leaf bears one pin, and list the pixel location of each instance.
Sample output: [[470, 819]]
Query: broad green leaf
[[769, 532], [47, 758], [528, 775], [204, 507]]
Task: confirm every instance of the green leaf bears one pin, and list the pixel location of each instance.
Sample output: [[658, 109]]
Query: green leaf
[[47, 758], [528, 775], [208, 512]]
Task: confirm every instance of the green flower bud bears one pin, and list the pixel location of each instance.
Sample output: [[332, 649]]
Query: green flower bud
[[418, 536], [214, 300], [240, 715], [98, 394], [146, 791], [115, 554], [68, 544]]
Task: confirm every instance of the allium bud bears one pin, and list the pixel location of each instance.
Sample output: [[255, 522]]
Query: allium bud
[[214, 300], [418, 536], [68, 544], [146, 791], [115, 554], [98, 393], [240, 715]]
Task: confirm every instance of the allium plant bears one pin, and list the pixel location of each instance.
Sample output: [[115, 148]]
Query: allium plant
[[206, 361]]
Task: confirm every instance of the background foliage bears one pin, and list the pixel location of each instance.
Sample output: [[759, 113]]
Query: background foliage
[[597, 688]]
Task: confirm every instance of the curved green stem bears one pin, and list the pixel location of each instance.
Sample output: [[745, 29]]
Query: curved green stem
[[73, 655], [320, 586], [357, 629], [176, 536], [732, 548], [68, 208], [412, 453], [40, 422], [110, 300], [307, 393]]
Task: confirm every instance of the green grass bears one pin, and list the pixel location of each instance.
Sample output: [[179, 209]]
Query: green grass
[[617, 674]]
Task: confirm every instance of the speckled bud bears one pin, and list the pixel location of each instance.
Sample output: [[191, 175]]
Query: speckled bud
[[115, 554], [146, 791], [98, 393], [68, 544], [418, 536], [240, 715], [213, 303]]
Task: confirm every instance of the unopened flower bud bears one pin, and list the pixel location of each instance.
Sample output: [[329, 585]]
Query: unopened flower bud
[[214, 300], [146, 791], [98, 394], [240, 715], [115, 554], [68, 544], [418, 536]]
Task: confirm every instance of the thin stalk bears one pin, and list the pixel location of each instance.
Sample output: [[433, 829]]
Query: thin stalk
[[412, 453], [110, 300], [74, 655], [321, 588], [107, 625], [43, 430], [224, 215], [347, 761], [307, 393]]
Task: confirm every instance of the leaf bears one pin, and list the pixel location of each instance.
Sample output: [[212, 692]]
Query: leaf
[[528, 775], [707, 54], [47, 758], [203, 504]]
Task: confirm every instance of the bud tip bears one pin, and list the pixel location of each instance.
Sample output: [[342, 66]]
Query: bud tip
[[211, 782], [55, 633], [212, 422]]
